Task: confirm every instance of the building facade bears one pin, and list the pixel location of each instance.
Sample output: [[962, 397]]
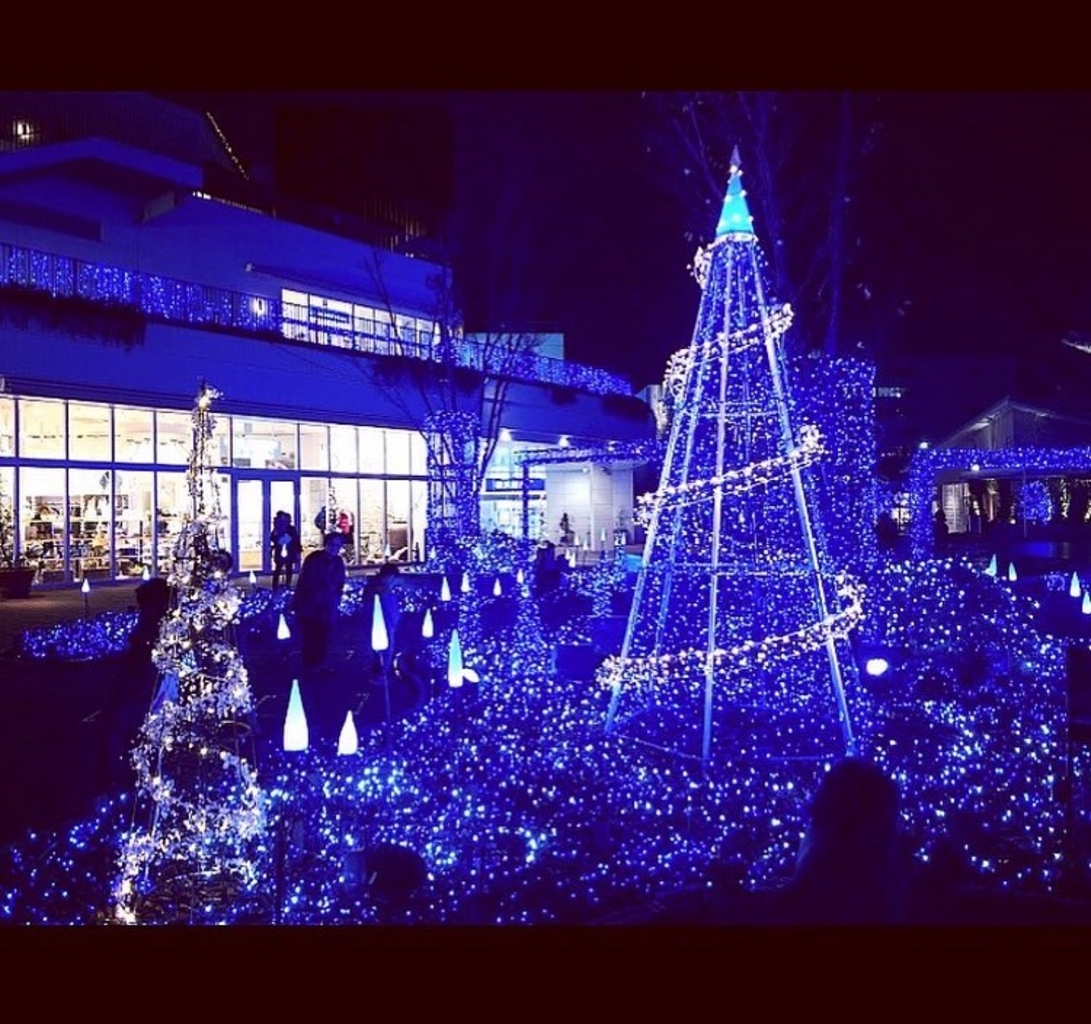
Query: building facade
[[125, 284]]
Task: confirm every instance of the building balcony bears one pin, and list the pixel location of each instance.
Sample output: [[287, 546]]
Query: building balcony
[[33, 280]]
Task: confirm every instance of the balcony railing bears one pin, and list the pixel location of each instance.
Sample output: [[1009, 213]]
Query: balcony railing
[[175, 301]]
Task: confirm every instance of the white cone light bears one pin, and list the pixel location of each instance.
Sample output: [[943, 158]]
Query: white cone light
[[380, 639], [427, 627], [283, 632], [349, 740], [296, 734], [454, 661]]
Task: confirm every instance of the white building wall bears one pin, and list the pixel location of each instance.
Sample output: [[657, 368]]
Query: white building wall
[[593, 496]]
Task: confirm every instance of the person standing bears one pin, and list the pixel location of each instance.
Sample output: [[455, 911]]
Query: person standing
[[285, 548], [317, 599]]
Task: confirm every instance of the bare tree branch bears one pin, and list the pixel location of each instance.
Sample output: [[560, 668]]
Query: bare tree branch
[[803, 155]]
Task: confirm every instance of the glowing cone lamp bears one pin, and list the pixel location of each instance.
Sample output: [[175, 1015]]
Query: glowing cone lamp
[[380, 639], [296, 735], [454, 661], [349, 741]]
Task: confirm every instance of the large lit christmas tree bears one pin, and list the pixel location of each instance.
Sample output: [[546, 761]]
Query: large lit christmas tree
[[738, 623], [192, 851]]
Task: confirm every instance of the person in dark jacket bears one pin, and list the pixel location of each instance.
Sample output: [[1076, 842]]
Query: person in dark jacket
[[852, 868], [285, 548], [317, 599]]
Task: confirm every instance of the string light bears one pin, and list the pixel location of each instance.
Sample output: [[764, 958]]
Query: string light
[[523, 810], [169, 299], [197, 791]]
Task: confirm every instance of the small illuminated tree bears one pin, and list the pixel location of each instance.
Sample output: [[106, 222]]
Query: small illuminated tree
[[200, 813]]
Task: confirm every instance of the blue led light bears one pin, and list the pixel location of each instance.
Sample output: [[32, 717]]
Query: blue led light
[[186, 302], [518, 808]]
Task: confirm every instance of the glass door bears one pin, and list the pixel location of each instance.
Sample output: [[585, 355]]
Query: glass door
[[257, 500]]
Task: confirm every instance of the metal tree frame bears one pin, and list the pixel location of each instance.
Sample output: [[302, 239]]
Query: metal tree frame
[[733, 509]]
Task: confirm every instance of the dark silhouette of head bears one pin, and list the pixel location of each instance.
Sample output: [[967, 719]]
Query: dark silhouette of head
[[153, 598], [855, 798], [849, 869]]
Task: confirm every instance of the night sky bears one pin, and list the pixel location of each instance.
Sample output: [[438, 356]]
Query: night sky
[[971, 224]]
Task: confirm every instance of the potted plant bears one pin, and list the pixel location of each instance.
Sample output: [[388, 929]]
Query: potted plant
[[16, 574]]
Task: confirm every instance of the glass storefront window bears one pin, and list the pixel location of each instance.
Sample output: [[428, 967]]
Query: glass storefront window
[[397, 452], [312, 501], [116, 521], [41, 429], [174, 437], [418, 454], [89, 432], [220, 444], [133, 523], [331, 321], [223, 537], [172, 506], [293, 306], [89, 523], [397, 519], [133, 435], [418, 516], [342, 449], [43, 501], [343, 498], [314, 447], [372, 459], [370, 530], [263, 444], [7, 426], [7, 504]]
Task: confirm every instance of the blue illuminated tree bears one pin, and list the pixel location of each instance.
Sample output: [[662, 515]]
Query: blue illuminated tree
[[738, 622], [193, 853]]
